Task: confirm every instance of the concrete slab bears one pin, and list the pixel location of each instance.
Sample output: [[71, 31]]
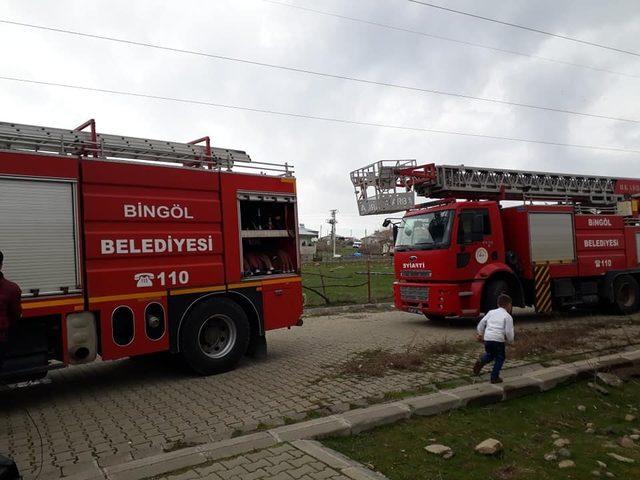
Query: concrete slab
[[519, 371], [614, 360], [554, 376], [478, 394], [432, 404], [584, 368], [236, 446], [323, 454], [633, 356], [361, 473], [520, 386], [367, 418], [334, 425]]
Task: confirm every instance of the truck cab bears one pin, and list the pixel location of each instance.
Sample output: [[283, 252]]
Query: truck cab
[[446, 254]]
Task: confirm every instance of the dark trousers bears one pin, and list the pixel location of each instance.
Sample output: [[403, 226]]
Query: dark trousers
[[495, 352]]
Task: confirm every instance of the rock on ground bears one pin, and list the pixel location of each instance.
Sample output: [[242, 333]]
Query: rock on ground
[[561, 442], [626, 442], [566, 464], [609, 379], [620, 458], [490, 446], [440, 450], [582, 408], [629, 418], [598, 388], [601, 464], [564, 453], [550, 457]]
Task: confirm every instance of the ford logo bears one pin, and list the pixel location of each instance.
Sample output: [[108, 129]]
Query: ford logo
[[413, 258]]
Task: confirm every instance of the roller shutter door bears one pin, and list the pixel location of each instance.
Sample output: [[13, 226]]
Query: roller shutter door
[[38, 239], [551, 236]]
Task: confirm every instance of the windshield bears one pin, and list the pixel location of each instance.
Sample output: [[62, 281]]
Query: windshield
[[424, 232]]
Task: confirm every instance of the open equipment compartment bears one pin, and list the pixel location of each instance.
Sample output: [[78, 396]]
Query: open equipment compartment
[[269, 234]]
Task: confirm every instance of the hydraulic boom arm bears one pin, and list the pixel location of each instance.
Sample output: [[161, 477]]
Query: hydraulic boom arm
[[386, 186]]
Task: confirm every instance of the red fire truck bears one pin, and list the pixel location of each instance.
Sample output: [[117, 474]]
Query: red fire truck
[[126, 246], [564, 241]]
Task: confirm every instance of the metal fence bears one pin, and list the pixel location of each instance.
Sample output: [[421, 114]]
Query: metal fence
[[351, 281]]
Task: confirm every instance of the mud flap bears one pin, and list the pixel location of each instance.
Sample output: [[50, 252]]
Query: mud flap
[[257, 347]]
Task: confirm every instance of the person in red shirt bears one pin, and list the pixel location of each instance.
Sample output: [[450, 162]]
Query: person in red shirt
[[10, 309]]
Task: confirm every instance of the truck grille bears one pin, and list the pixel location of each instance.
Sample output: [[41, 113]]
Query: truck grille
[[414, 294], [416, 273]]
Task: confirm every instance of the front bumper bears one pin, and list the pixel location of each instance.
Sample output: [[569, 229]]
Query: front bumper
[[442, 299]]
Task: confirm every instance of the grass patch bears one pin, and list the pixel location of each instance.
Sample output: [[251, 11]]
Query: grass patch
[[524, 426], [343, 282], [378, 362], [313, 414]]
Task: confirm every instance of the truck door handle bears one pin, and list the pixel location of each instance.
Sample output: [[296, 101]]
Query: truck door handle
[[278, 292]]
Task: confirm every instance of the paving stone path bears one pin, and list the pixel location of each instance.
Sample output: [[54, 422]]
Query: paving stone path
[[283, 462], [113, 412]]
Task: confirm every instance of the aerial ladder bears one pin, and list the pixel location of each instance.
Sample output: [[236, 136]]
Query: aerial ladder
[[388, 186]]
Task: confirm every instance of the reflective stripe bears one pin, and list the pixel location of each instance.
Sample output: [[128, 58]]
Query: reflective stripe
[[542, 279], [132, 296], [51, 303]]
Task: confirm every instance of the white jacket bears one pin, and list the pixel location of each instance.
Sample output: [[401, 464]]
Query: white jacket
[[497, 326]]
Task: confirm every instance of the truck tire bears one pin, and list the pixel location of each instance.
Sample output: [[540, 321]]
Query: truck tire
[[214, 336], [626, 294], [491, 292]]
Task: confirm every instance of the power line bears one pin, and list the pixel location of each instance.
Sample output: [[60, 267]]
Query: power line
[[449, 39], [321, 74], [530, 29], [317, 117]]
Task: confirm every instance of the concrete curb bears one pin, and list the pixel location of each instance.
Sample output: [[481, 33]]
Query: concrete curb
[[337, 461], [362, 419]]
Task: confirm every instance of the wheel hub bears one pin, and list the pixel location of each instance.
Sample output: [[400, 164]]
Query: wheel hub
[[217, 336]]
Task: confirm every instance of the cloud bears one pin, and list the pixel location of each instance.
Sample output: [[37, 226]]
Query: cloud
[[324, 153]]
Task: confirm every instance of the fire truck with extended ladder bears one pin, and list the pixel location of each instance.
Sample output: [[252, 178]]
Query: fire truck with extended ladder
[[126, 246], [567, 240]]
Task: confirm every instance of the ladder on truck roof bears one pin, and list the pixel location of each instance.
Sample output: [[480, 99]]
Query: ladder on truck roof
[[387, 186], [82, 142]]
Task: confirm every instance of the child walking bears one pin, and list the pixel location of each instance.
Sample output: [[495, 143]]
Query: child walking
[[495, 328]]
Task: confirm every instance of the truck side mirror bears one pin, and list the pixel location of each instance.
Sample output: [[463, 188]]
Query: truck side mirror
[[395, 233]]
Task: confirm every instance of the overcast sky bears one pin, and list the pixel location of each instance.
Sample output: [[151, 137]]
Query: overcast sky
[[324, 153]]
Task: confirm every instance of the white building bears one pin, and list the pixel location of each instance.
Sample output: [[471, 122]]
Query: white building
[[308, 241]]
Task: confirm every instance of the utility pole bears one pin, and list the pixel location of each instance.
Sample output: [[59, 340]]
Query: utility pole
[[332, 221]]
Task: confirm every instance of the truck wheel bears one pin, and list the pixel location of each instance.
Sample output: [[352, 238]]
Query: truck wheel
[[215, 336], [626, 294], [492, 291]]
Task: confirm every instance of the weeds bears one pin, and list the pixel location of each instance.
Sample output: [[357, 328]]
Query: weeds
[[179, 445], [540, 343], [377, 362]]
